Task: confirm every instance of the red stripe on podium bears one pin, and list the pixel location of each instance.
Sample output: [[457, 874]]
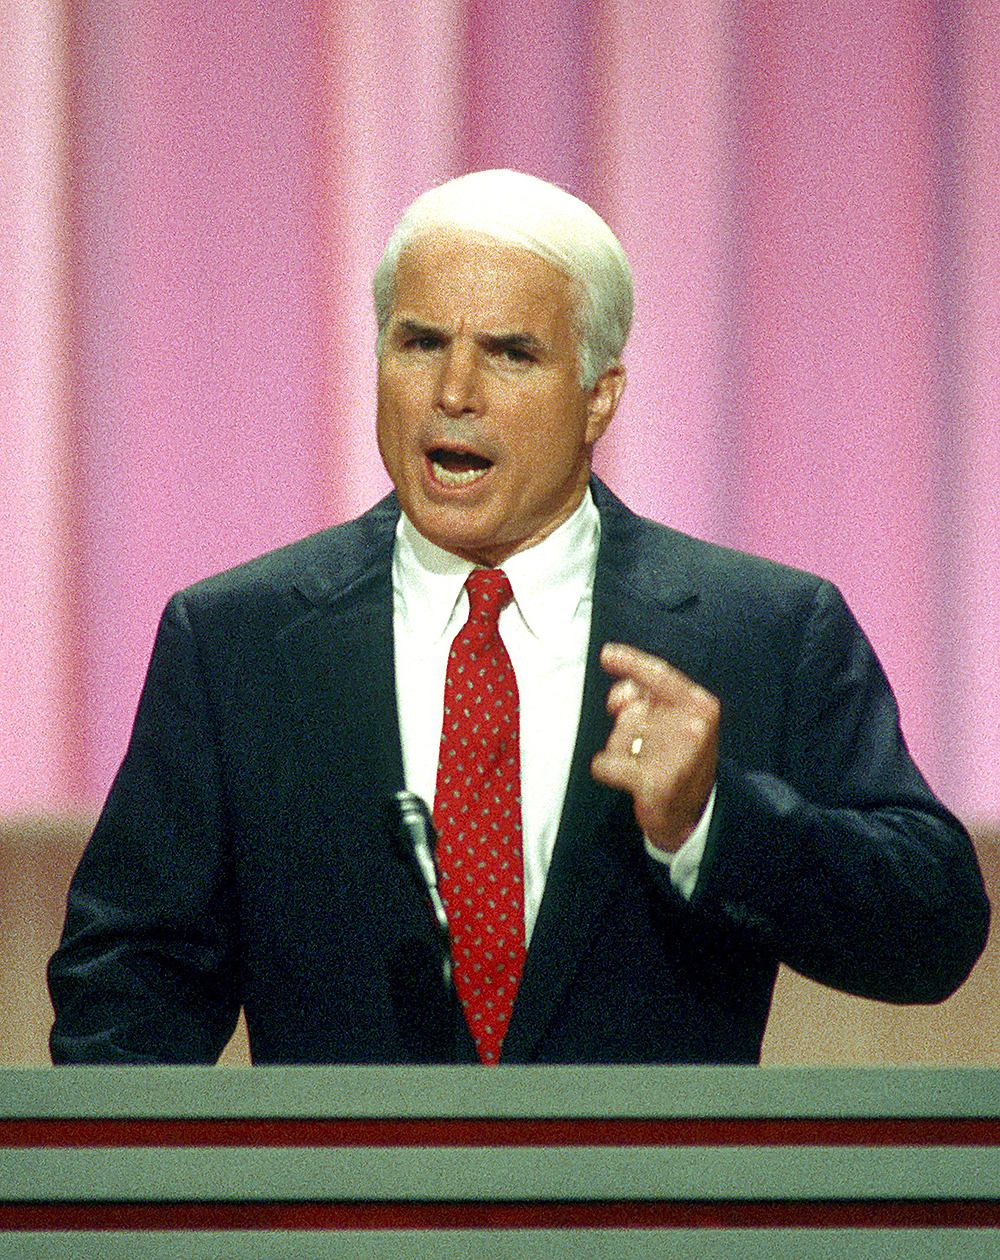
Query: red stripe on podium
[[627, 1214], [258, 1132]]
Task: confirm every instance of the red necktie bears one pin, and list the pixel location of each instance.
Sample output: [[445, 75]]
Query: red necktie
[[477, 813]]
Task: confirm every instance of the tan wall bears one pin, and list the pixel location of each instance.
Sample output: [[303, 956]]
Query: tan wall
[[809, 1024]]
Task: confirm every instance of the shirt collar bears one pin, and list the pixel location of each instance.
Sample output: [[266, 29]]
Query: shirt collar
[[549, 580]]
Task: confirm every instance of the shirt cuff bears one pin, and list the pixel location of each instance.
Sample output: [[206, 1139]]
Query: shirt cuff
[[685, 864]]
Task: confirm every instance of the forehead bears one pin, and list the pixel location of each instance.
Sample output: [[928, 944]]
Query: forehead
[[452, 277]]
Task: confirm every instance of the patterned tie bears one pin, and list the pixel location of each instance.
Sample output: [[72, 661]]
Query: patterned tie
[[477, 813]]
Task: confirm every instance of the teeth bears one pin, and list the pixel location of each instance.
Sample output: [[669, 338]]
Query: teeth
[[448, 477]]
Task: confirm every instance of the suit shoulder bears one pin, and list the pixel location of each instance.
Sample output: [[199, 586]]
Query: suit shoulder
[[726, 568], [652, 553], [311, 570]]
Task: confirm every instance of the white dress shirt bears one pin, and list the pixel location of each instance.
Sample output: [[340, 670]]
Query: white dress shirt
[[546, 629]]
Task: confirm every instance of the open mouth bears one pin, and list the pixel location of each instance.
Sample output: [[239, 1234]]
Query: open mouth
[[457, 467]]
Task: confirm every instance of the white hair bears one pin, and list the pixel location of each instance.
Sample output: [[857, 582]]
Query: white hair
[[544, 219]]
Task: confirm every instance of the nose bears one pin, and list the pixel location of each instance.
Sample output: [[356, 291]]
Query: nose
[[459, 386]]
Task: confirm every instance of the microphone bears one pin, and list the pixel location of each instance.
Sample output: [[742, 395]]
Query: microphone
[[416, 838]]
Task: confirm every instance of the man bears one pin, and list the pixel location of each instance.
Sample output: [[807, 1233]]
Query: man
[[696, 768]]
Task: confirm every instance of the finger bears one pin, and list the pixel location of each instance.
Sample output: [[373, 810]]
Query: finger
[[630, 725], [665, 684], [643, 669], [617, 769], [617, 762], [624, 694]]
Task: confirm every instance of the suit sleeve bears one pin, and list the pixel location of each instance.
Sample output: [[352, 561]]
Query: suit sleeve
[[145, 971], [840, 858]]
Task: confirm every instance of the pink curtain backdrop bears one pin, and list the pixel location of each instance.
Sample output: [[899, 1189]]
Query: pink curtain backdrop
[[193, 198]]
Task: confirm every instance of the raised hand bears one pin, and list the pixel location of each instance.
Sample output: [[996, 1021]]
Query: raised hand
[[663, 747]]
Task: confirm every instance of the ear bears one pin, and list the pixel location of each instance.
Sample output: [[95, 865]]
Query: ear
[[603, 401]]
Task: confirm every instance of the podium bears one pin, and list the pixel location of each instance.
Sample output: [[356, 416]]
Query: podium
[[415, 1162]]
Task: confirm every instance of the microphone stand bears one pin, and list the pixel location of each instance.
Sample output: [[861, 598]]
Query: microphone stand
[[415, 836]]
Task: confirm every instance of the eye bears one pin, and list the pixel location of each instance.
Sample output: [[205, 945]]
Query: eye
[[517, 351], [417, 338], [422, 341]]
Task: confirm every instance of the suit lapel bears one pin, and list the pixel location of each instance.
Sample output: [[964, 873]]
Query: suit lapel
[[341, 670], [341, 666], [640, 598], [340, 661]]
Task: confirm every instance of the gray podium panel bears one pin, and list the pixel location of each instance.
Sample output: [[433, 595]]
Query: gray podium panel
[[653, 1244], [501, 1092], [521, 1161], [486, 1174]]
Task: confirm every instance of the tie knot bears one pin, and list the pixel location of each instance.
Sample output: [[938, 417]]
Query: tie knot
[[489, 591]]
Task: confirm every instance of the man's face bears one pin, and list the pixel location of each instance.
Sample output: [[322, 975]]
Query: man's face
[[482, 424]]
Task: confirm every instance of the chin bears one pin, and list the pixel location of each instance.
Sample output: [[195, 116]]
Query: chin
[[474, 550], [440, 528], [467, 548]]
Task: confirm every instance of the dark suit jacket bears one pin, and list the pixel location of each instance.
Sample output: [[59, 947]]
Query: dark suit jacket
[[241, 857]]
